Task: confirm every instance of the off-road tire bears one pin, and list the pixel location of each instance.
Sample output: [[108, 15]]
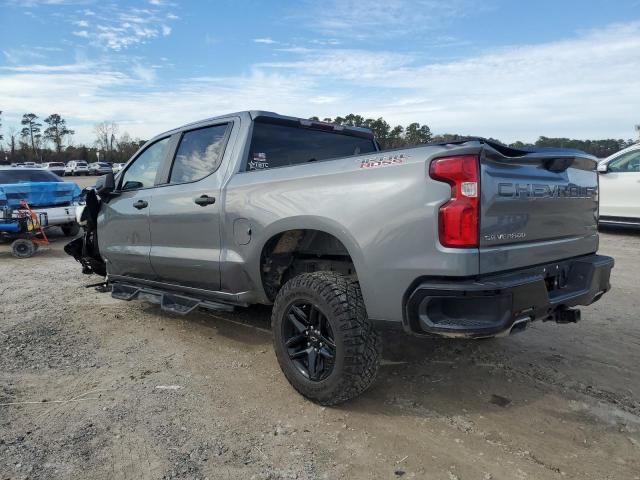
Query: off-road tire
[[23, 248], [71, 229], [358, 345]]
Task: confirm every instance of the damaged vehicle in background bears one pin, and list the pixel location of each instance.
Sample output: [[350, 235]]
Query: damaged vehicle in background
[[459, 240], [51, 198]]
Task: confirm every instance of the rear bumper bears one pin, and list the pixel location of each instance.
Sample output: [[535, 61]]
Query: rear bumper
[[496, 304]]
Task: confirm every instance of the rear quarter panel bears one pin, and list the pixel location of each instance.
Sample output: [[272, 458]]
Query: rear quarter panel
[[386, 216]]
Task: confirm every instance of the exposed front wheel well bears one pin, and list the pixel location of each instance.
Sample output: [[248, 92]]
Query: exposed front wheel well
[[293, 252]]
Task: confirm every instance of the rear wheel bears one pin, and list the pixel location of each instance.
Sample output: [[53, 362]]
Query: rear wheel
[[23, 248], [324, 341]]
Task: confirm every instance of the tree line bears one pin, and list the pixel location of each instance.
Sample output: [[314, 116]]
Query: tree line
[[53, 141], [414, 134]]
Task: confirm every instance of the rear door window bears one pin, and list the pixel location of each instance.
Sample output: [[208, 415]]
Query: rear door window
[[199, 154], [274, 145]]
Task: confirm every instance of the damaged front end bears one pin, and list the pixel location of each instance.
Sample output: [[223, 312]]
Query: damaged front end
[[85, 248]]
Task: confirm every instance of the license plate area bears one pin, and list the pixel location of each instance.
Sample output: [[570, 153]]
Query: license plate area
[[556, 277]]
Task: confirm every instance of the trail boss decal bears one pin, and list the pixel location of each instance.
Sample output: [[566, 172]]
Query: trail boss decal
[[383, 161]]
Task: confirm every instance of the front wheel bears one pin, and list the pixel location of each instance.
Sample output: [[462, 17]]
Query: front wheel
[[324, 341]]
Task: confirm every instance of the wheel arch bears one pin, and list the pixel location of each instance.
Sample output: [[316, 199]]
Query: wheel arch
[[325, 229]]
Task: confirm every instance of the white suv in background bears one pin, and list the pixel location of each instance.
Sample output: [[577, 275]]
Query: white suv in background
[[620, 187], [76, 167]]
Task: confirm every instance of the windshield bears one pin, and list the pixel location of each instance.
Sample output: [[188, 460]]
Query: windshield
[[24, 176], [56, 164]]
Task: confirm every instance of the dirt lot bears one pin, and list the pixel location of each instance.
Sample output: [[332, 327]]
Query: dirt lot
[[96, 388]]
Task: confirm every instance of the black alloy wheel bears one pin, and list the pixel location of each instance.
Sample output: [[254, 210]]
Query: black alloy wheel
[[325, 343], [309, 340]]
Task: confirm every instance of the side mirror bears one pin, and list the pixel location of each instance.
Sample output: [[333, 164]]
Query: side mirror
[[603, 168], [105, 184]]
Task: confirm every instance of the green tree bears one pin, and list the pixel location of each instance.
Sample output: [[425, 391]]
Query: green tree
[[396, 137], [416, 134], [57, 130], [31, 131], [354, 120], [380, 127]]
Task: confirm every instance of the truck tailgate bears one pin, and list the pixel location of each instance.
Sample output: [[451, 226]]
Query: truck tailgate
[[536, 208]]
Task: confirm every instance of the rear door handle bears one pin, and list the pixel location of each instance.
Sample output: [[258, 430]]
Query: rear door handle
[[205, 200], [140, 204]]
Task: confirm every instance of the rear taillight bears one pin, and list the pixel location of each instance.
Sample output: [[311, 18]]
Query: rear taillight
[[460, 217]]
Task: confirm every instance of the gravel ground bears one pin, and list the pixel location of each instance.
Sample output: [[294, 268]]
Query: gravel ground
[[92, 387]]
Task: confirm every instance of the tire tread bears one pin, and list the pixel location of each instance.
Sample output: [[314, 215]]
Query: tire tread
[[362, 344]]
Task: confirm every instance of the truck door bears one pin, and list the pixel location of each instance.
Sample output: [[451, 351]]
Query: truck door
[[185, 215], [123, 223], [620, 186]]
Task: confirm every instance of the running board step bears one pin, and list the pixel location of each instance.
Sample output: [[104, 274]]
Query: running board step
[[169, 302]]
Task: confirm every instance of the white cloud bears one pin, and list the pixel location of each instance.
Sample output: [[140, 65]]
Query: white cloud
[[353, 65], [585, 87], [37, 3], [265, 40], [146, 74], [385, 18], [117, 28]]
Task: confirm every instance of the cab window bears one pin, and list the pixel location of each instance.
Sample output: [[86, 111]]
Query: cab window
[[142, 172], [275, 145]]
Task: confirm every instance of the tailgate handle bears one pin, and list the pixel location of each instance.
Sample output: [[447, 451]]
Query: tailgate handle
[[205, 200]]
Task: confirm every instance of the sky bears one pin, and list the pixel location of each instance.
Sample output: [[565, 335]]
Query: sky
[[507, 69]]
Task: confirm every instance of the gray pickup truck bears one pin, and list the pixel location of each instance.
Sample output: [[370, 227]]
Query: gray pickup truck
[[471, 239]]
